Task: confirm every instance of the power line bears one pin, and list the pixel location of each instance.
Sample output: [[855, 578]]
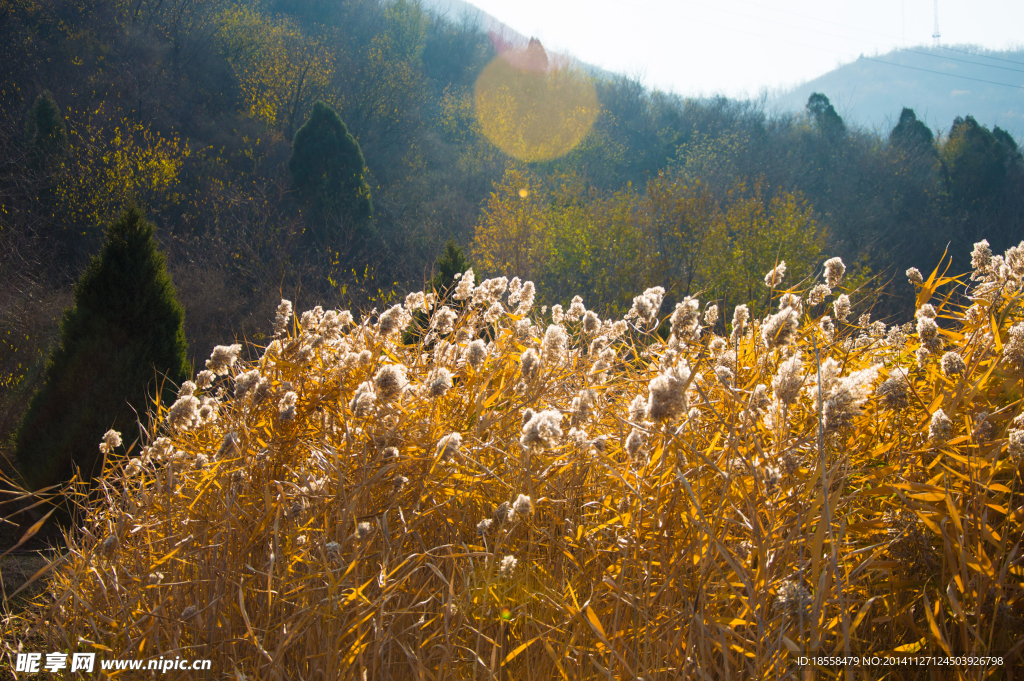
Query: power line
[[951, 75], [966, 61], [984, 56]]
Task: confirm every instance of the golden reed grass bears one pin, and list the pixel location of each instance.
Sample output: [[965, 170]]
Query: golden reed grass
[[492, 499]]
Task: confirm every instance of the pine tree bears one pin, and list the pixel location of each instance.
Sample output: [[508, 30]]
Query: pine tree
[[829, 122], [122, 340], [977, 163], [45, 127], [912, 134], [453, 261], [329, 171]]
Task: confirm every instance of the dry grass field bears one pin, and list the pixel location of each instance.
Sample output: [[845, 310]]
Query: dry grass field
[[515, 493]]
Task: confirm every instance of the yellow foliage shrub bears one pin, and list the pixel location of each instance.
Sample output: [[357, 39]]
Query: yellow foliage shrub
[[113, 166]]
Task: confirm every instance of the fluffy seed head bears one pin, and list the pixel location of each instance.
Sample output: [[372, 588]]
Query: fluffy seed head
[[711, 315], [415, 301], [576, 310], [449, 445], [205, 378], [780, 328], [543, 429], [792, 300], [394, 319], [286, 407], [439, 382], [927, 329], [834, 271], [223, 358], [774, 277], [794, 598], [390, 380], [740, 316], [443, 320], [508, 566], [1015, 443], [476, 354], [914, 276], [526, 296], [645, 306], [637, 409], [1013, 350], [940, 427], [464, 289], [684, 317], [364, 399], [554, 347], [844, 397], [635, 442], [953, 364], [894, 392], [504, 513], [828, 327], [667, 393], [184, 413], [786, 384], [841, 307], [283, 316], [981, 259], [111, 439], [494, 312], [523, 505], [818, 294], [530, 364]]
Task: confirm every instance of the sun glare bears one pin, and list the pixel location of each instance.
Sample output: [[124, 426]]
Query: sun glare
[[530, 110]]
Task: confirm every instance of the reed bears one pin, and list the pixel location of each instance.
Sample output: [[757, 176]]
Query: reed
[[578, 498]]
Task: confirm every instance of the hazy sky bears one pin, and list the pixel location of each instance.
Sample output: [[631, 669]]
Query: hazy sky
[[738, 47]]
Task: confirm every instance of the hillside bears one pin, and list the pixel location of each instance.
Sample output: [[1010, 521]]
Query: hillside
[[189, 111], [459, 11], [938, 83]]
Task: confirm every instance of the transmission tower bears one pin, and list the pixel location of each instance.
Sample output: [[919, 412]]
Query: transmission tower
[[935, 33]]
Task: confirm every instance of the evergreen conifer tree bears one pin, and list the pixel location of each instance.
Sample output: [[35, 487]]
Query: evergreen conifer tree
[[977, 163], [829, 122], [453, 261], [912, 134], [45, 127], [329, 172], [123, 336]]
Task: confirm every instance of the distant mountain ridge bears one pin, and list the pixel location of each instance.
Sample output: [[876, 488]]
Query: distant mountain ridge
[[939, 83], [458, 11]]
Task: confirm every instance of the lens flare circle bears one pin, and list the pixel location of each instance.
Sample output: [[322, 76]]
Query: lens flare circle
[[533, 112]]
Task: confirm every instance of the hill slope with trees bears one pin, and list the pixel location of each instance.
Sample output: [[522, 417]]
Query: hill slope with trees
[[190, 110], [939, 83]]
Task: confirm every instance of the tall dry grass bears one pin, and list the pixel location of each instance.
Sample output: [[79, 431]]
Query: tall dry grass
[[311, 516]]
